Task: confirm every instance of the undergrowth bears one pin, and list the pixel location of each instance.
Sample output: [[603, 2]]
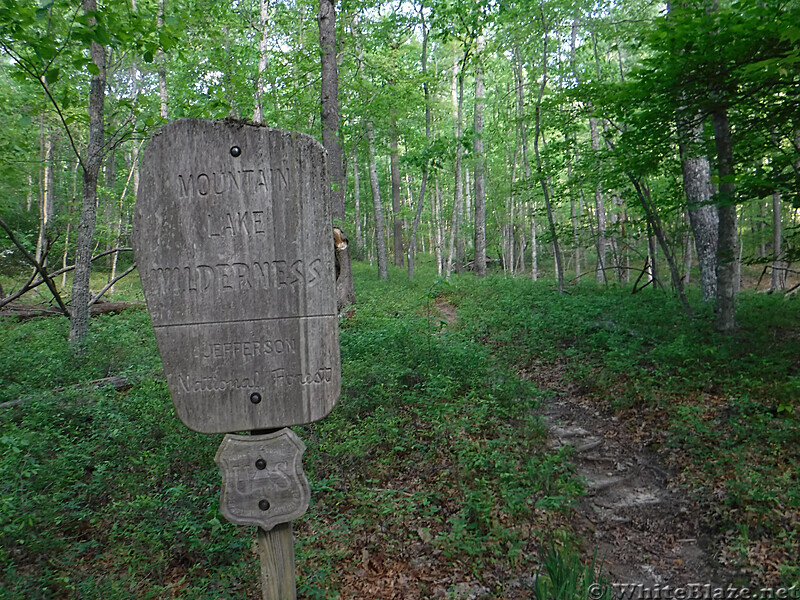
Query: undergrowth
[[723, 409], [430, 472]]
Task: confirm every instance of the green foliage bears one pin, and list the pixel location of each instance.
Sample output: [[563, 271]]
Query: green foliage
[[723, 409], [563, 576], [104, 494]]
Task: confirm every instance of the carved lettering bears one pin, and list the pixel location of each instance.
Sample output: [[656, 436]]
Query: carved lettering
[[241, 349], [236, 277], [236, 224], [280, 179], [191, 185], [281, 377], [212, 383], [203, 184]]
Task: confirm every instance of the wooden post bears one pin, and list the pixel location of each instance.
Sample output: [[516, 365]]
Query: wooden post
[[276, 552]]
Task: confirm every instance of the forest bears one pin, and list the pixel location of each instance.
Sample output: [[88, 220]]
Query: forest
[[589, 202]]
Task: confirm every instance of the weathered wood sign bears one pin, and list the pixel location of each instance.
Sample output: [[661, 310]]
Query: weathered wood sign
[[263, 482], [233, 239]]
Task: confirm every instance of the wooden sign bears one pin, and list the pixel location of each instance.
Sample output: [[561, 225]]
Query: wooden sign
[[263, 482], [233, 240]]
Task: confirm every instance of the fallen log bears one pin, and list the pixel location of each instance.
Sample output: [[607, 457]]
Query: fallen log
[[32, 311], [118, 382]]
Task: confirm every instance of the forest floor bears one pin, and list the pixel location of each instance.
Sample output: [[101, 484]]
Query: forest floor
[[492, 438], [644, 528]]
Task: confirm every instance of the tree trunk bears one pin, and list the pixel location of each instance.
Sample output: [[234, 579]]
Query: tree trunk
[[421, 201], [534, 250], [778, 279], [480, 167], [79, 316], [652, 259], [542, 176], [703, 215], [329, 102], [397, 222], [46, 201], [263, 58], [687, 249], [458, 194], [162, 69], [600, 210], [727, 250], [438, 226], [574, 215], [70, 204], [357, 203], [380, 240]]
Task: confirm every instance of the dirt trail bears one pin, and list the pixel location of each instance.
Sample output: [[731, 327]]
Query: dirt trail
[[646, 531]]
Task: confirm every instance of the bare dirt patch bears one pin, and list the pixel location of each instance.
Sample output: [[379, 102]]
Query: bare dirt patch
[[645, 528]]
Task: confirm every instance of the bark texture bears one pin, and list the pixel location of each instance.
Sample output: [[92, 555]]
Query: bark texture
[[727, 250], [79, 316], [397, 222], [380, 237], [703, 214], [480, 181], [329, 102]]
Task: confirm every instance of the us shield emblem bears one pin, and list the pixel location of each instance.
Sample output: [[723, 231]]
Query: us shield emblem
[[263, 482]]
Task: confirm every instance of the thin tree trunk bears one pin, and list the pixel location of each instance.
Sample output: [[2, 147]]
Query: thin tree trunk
[[480, 166], [70, 204], [687, 249], [380, 240], [542, 176], [263, 62], [654, 225], [421, 201], [526, 167], [46, 201], [509, 262], [329, 103], [357, 203], [727, 251], [415, 225], [79, 317], [600, 210], [534, 250], [397, 222], [438, 226], [703, 214], [573, 214], [778, 279], [162, 69], [652, 255], [458, 195]]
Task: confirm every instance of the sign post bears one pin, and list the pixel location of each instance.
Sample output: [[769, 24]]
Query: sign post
[[233, 238]]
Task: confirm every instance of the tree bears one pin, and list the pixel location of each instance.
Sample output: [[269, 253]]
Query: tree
[[480, 168], [380, 239], [345, 292]]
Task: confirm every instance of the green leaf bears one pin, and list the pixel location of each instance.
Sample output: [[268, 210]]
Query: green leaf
[[94, 69], [52, 75], [102, 36], [148, 56]]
